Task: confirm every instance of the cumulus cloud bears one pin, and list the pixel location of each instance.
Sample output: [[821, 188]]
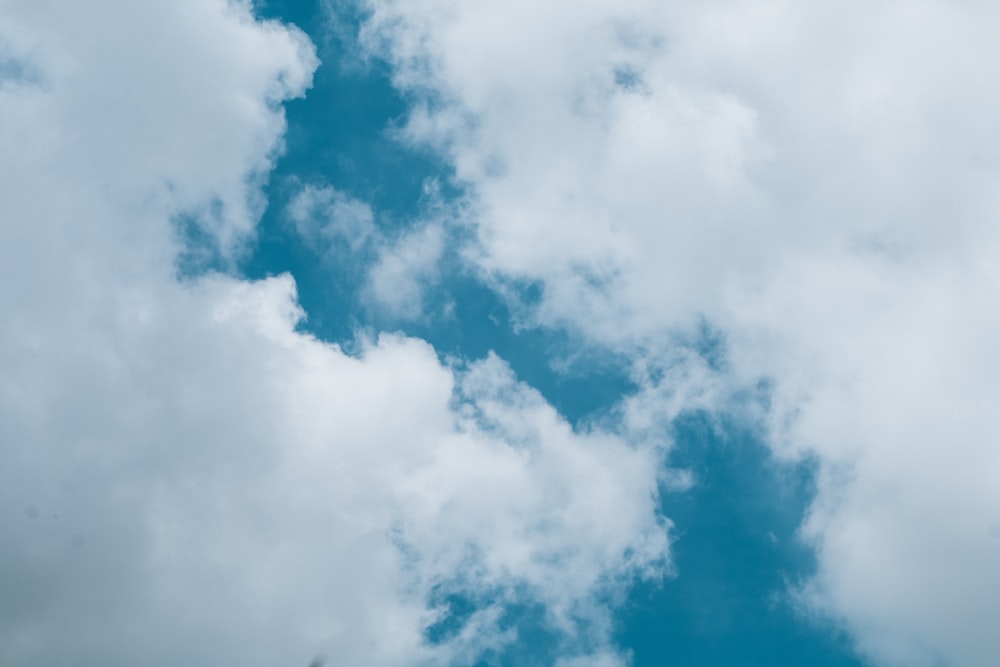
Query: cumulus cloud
[[816, 181], [186, 478]]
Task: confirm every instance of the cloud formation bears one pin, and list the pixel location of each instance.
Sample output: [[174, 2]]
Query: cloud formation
[[187, 478], [400, 265], [817, 182]]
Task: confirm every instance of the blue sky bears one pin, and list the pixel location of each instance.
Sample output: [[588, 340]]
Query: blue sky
[[438, 333], [729, 602]]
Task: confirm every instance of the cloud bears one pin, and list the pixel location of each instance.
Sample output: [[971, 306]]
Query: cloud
[[400, 265], [405, 269], [186, 478], [813, 180], [328, 219]]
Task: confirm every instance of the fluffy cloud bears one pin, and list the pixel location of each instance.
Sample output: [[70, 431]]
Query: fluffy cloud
[[891, 381], [186, 478], [816, 181]]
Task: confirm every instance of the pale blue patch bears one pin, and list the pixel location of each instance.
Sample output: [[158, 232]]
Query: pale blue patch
[[16, 68]]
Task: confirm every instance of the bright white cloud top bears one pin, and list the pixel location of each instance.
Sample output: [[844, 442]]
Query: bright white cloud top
[[186, 478]]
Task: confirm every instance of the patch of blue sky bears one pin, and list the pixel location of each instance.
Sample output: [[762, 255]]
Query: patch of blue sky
[[339, 136], [735, 550], [736, 555]]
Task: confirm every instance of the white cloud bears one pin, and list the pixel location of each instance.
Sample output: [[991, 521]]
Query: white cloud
[[188, 480], [818, 181], [600, 660], [891, 380], [400, 265], [405, 268], [328, 219]]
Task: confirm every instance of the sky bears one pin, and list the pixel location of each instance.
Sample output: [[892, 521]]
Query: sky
[[436, 333]]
